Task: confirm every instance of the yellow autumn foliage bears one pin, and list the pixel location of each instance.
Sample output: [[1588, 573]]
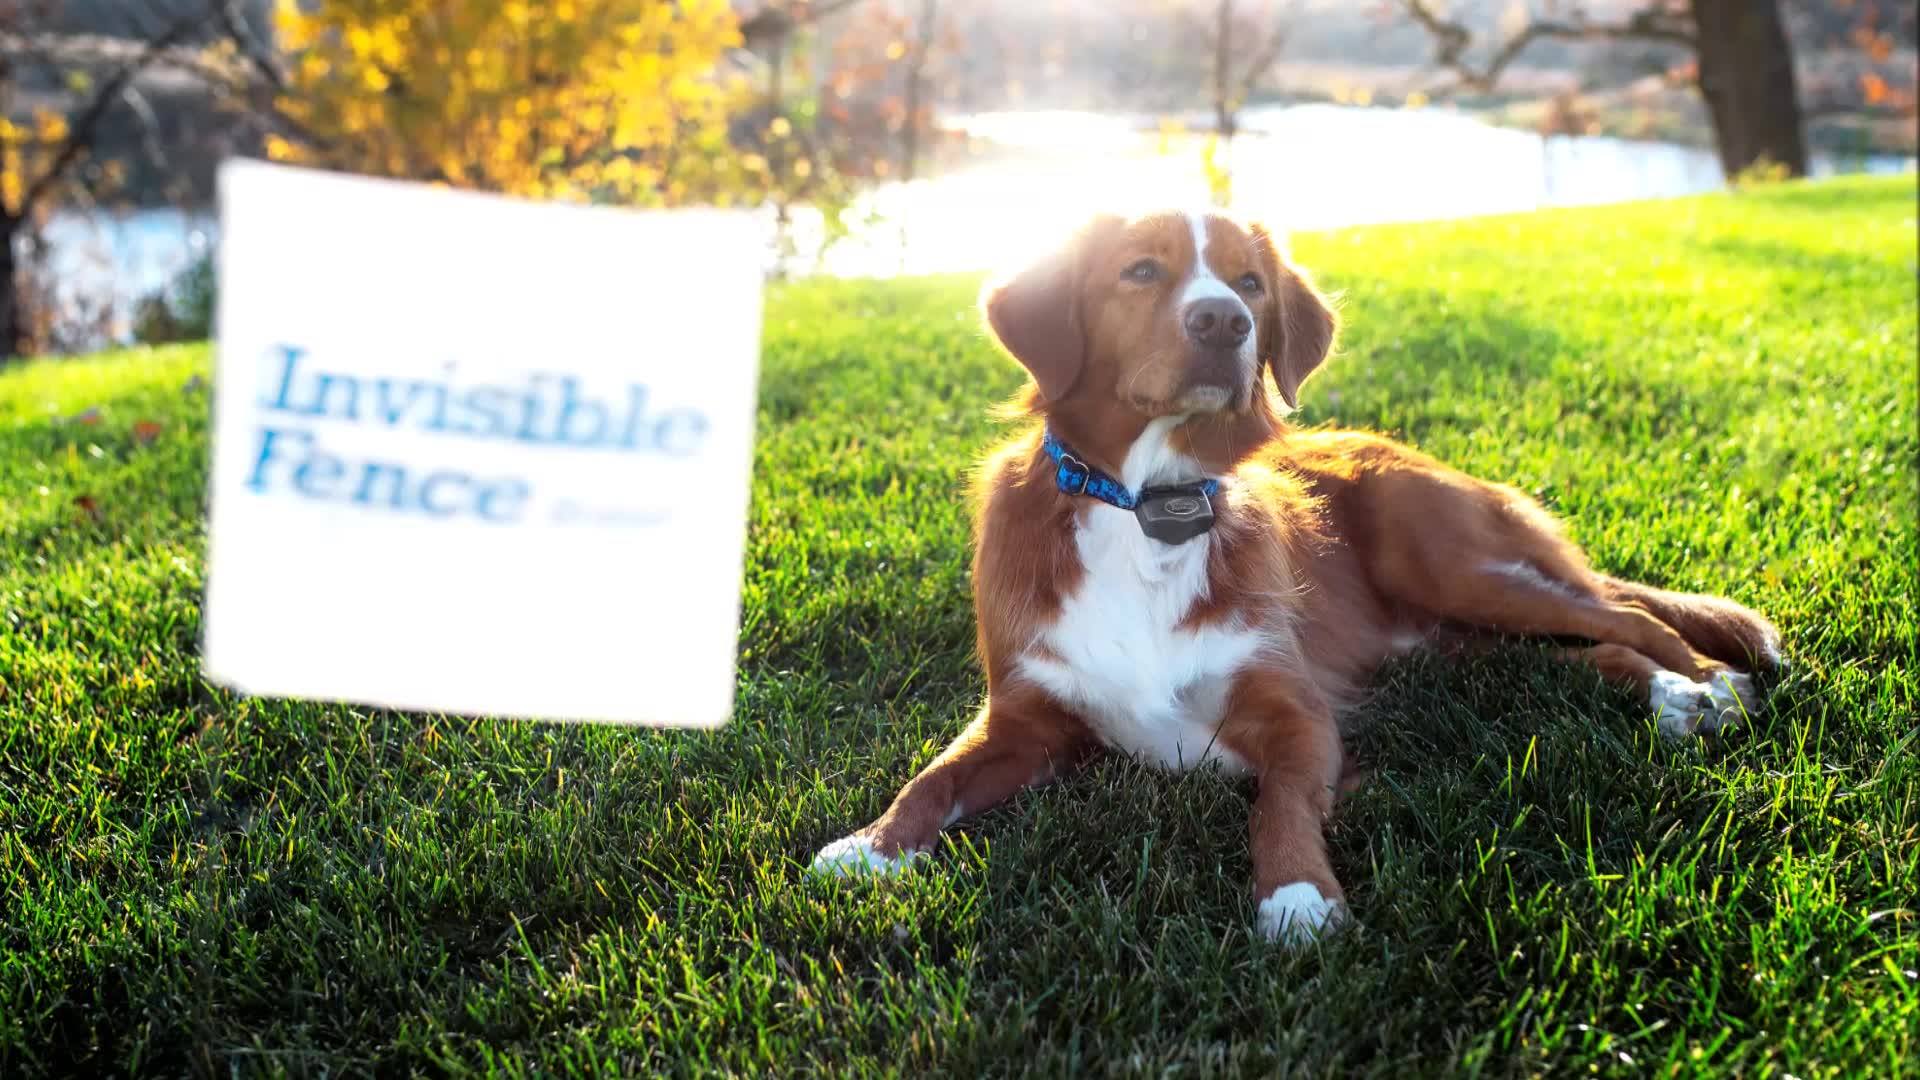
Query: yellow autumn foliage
[[616, 100], [27, 150]]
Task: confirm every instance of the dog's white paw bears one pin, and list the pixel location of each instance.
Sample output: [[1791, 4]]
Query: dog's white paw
[[1734, 696], [852, 856], [1685, 707], [1772, 657], [1296, 914]]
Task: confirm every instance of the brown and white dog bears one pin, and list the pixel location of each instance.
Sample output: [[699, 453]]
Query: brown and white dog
[[1329, 551]]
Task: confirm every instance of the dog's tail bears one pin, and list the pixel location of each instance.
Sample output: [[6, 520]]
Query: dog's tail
[[1731, 633]]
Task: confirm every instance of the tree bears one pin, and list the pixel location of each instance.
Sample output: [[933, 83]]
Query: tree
[[1243, 42], [1858, 59], [776, 21], [1743, 64], [617, 100], [882, 70], [916, 116], [60, 95]]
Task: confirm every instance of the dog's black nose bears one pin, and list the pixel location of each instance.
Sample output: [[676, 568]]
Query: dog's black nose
[[1218, 323]]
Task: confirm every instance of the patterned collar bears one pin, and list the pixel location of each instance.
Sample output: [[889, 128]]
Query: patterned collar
[[1075, 477]]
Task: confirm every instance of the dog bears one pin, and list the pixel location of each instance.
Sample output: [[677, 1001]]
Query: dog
[[1164, 567]]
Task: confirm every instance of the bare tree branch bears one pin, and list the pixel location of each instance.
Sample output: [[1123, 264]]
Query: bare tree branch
[[258, 53], [1263, 62], [81, 132], [259, 56], [916, 77], [1824, 110], [149, 126], [776, 21], [1269, 54], [1451, 39], [1231, 89], [102, 50]]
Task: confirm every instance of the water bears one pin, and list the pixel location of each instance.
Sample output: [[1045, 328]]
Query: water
[[1296, 167], [113, 259]]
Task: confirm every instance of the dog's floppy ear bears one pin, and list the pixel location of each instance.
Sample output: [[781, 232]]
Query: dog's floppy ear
[[1298, 332], [1035, 315]]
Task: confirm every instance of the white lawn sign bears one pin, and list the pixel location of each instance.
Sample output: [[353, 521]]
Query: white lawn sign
[[477, 455]]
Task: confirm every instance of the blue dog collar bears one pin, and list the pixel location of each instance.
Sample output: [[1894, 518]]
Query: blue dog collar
[[1075, 477]]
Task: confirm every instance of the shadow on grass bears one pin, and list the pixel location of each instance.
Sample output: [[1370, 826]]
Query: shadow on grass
[[104, 483], [1415, 362], [1834, 267], [1820, 197], [1443, 331], [1542, 750]]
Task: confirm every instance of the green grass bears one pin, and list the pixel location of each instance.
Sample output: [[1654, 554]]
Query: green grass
[[1718, 394]]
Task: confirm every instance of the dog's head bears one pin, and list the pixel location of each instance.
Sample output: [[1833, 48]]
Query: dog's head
[[1166, 314]]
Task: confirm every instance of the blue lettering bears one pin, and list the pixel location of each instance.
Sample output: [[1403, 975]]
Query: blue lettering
[[489, 402], [428, 485], [396, 489], [512, 492], [314, 477], [289, 359], [528, 432], [571, 406], [440, 396], [269, 437], [636, 410], [381, 485], [323, 390], [385, 391]]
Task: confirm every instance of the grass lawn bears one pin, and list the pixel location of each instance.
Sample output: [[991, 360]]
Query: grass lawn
[[1718, 394]]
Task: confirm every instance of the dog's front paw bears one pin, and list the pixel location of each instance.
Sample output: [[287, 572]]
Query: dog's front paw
[[854, 855], [1684, 707], [1296, 914]]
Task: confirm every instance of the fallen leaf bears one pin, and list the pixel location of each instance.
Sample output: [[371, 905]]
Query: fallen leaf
[[145, 432], [88, 506]]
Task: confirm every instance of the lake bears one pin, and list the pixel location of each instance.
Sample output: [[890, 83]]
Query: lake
[[1297, 167]]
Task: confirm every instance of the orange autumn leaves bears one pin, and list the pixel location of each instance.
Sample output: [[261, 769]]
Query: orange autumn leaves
[[618, 100], [19, 143], [86, 505], [29, 146]]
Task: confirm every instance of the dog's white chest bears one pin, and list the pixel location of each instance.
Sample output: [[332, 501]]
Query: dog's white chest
[[1119, 658]]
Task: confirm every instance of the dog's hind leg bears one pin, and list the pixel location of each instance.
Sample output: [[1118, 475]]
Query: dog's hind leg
[[1680, 705], [1515, 596], [1731, 633], [1689, 691], [1489, 556], [1497, 561]]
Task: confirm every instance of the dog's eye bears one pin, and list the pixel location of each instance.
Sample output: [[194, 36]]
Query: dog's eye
[[1248, 283], [1145, 271]]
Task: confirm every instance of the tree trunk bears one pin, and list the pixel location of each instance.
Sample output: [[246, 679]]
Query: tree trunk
[[916, 73], [1747, 79], [1226, 118], [13, 320], [13, 323]]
